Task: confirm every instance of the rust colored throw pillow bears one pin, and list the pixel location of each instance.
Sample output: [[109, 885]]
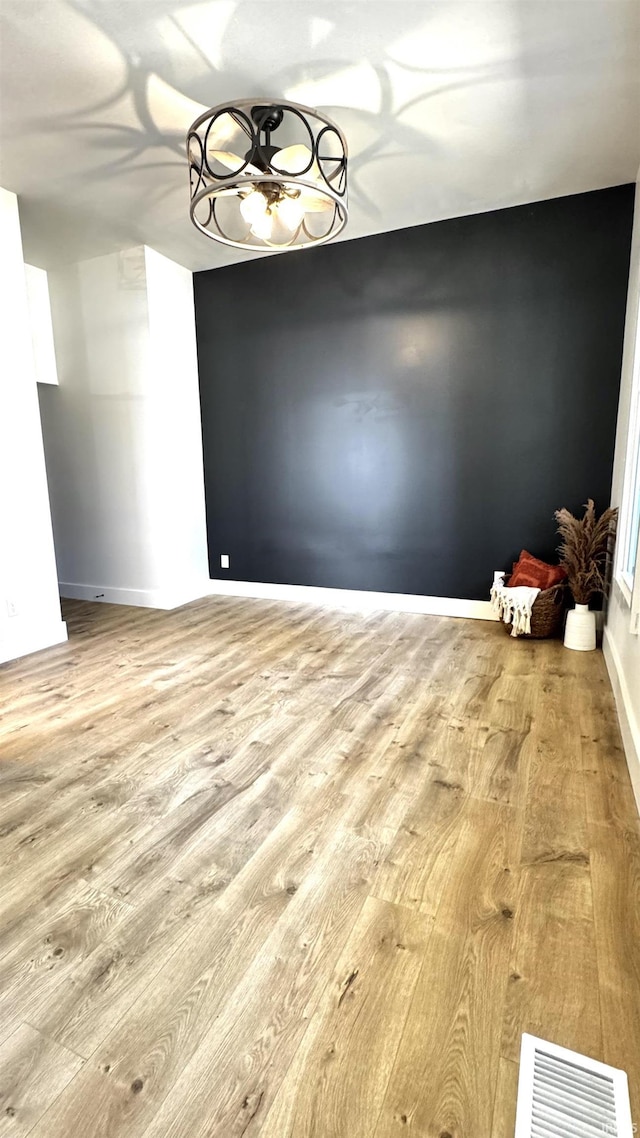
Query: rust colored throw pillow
[[528, 570]]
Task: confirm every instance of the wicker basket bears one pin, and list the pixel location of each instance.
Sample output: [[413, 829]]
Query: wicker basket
[[547, 613]]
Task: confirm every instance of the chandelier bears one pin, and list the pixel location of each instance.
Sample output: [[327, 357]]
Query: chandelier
[[253, 193]]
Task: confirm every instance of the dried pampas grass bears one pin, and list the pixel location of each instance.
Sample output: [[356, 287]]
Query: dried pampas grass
[[586, 543]]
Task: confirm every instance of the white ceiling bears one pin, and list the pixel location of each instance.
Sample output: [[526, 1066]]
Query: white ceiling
[[449, 108]]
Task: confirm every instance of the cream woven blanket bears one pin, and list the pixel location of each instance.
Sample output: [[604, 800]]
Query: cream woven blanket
[[513, 606]]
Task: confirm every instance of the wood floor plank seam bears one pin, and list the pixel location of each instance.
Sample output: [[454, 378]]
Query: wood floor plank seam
[[52, 1039]]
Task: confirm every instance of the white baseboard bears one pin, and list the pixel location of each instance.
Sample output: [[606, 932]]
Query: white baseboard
[[356, 600], [140, 598], [629, 727], [16, 640]]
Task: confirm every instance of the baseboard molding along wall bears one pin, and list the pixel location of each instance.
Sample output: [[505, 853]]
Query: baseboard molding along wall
[[355, 600], [139, 598], [629, 728]]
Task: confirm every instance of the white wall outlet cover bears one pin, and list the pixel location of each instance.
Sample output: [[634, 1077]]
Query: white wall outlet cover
[[12, 608], [224, 560]]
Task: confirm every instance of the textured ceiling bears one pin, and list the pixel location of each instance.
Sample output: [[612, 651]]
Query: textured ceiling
[[449, 108]]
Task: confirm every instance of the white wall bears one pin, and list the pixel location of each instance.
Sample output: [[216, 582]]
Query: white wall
[[29, 603], [176, 442], [41, 327], [621, 644], [122, 432]]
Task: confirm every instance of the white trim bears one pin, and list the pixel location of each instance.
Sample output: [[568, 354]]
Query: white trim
[[631, 483], [21, 641], [625, 584], [139, 598], [634, 603], [626, 465], [629, 727], [355, 599]]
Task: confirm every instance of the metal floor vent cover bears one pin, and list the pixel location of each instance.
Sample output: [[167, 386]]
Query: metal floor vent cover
[[562, 1094]]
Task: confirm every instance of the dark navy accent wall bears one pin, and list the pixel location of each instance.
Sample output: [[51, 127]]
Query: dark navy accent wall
[[404, 412]]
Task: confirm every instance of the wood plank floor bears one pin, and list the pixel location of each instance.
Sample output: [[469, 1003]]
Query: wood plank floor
[[269, 870]]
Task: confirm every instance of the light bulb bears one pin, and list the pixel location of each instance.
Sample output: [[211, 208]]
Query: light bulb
[[254, 207], [261, 227], [290, 212]]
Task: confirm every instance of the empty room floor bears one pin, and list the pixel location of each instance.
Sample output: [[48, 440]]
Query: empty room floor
[[274, 870]]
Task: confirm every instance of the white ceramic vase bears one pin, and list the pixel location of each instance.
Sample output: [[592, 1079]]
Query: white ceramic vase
[[580, 629]]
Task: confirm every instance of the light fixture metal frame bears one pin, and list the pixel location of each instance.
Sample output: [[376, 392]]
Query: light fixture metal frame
[[210, 185]]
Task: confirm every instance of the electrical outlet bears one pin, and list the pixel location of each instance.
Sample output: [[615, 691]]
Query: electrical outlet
[[224, 560], [12, 608]]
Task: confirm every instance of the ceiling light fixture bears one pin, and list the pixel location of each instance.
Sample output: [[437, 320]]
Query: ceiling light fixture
[[252, 194]]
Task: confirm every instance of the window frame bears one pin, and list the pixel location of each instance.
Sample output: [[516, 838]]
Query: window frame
[[627, 577]]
